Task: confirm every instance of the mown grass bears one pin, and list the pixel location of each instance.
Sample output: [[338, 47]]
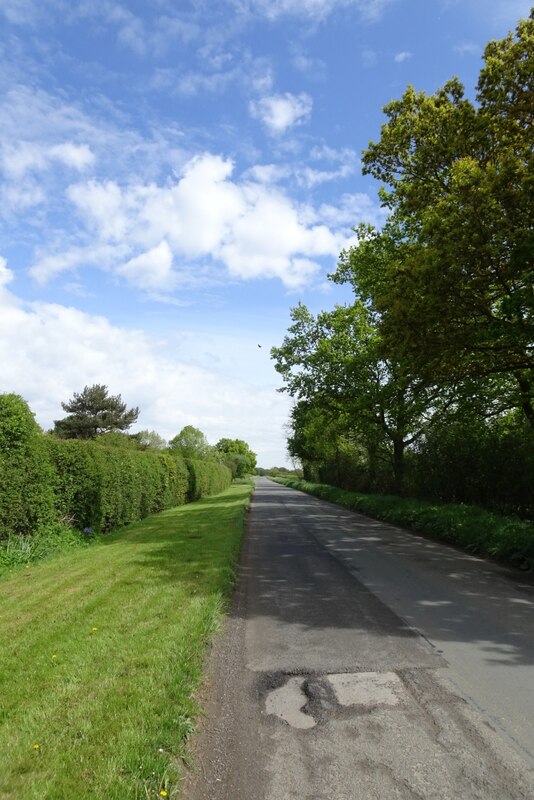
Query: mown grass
[[505, 539], [101, 651]]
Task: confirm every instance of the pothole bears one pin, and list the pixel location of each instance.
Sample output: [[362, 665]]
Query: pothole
[[287, 703], [304, 701]]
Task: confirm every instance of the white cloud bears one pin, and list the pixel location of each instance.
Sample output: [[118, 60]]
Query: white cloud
[[20, 196], [72, 155], [369, 10], [151, 270], [17, 160], [249, 227], [349, 211], [48, 265], [268, 173], [404, 55], [6, 275], [104, 206], [309, 177], [49, 351], [279, 112], [18, 12], [58, 133]]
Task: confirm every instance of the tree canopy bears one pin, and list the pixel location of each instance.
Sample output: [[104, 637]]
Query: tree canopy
[[439, 338], [334, 362], [237, 455], [190, 443], [93, 412], [454, 270]]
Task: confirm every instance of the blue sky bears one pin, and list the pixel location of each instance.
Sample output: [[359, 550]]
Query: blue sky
[[177, 174]]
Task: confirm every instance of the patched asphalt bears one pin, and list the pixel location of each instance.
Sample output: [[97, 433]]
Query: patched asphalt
[[361, 662]]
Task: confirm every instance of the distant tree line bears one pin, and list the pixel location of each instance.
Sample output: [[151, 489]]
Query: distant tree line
[[282, 472], [424, 384]]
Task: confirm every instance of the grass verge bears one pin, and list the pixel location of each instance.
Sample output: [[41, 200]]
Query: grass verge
[[50, 540], [102, 651], [505, 539]]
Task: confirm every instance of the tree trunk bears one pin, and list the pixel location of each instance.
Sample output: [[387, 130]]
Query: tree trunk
[[526, 398], [398, 465]]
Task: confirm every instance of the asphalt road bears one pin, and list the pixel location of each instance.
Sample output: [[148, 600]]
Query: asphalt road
[[360, 662]]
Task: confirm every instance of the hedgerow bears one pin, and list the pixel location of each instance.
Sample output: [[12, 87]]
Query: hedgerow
[[26, 476], [207, 477], [87, 485]]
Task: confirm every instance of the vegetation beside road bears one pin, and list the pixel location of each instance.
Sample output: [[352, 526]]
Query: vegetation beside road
[[505, 539], [102, 651], [423, 383]]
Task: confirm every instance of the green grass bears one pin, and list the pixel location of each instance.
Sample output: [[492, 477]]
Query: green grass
[[505, 539], [101, 652], [47, 541]]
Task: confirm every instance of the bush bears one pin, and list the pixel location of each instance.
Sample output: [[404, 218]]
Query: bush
[[53, 538], [107, 487], [472, 460], [207, 477], [26, 493]]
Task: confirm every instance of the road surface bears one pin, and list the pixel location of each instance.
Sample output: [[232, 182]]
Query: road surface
[[361, 662]]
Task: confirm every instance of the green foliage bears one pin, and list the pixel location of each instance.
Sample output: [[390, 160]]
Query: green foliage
[[456, 285], [237, 455], [281, 471], [207, 477], [416, 386], [334, 365], [107, 487], [26, 497], [94, 412], [50, 485], [149, 440], [118, 439], [76, 482], [468, 459], [504, 539], [190, 443], [48, 540]]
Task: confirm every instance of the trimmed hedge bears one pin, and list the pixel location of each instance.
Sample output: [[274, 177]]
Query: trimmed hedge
[[505, 539], [207, 477], [104, 488], [87, 484], [26, 475]]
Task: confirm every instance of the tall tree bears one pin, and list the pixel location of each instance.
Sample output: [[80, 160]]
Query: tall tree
[[335, 362], [456, 290], [237, 455], [190, 443], [92, 412], [149, 440]]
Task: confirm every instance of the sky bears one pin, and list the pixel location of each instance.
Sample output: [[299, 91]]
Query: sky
[[176, 175]]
